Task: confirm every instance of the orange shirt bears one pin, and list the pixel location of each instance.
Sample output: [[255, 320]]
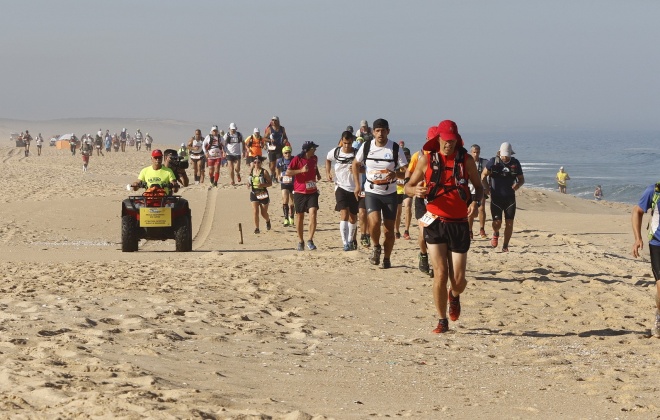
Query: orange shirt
[[255, 145]]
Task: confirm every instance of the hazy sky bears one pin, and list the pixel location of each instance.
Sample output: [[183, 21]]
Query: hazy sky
[[500, 64]]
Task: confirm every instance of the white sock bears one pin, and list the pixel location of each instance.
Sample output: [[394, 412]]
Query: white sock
[[352, 228], [343, 229]]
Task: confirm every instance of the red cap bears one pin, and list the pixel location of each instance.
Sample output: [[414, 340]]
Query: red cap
[[157, 153], [447, 130], [432, 133]]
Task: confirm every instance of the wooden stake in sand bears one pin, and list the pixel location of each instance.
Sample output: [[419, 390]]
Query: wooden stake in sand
[[240, 231]]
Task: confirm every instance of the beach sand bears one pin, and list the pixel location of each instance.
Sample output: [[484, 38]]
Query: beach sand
[[558, 327]]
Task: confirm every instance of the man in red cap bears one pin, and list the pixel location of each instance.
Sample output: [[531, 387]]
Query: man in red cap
[[156, 174], [445, 222]]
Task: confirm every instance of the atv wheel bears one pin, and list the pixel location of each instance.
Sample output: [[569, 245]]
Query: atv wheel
[[183, 235], [129, 234]]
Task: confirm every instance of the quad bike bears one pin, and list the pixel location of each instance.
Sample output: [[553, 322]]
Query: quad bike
[[155, 215]]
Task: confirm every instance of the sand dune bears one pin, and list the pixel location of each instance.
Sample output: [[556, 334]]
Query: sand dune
[[558, 327]]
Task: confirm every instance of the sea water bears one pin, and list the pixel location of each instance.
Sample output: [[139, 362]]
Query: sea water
[[622, 163]]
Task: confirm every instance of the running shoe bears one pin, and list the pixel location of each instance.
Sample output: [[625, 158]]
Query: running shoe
[[406, 235], [354, 245], [291, 222], [423, 263], [310, 245], [398, 235], [364, 241], [505, 249], [431, 273], [268, 225], [238, 177], [454, 306], [301, 246], [375, 255], [386, 263], [286, 222], [347, 247], [256, 230], [482, 233], [368, 239], [494, 240], [443, 326]]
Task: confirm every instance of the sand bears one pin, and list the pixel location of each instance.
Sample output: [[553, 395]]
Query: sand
[[558, 327]]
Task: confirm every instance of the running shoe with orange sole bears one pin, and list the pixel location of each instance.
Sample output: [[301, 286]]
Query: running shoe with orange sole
[[454, 306], [494, 240], [443, 326], [482, 233]]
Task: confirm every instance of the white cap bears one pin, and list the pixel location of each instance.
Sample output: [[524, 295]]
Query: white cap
[[183, 145], [100, 133], [232, 126], [506, 149], [215, 127], [561, 168], [256, 130]]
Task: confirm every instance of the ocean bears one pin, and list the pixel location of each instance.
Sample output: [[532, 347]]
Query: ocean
[[622, 163]]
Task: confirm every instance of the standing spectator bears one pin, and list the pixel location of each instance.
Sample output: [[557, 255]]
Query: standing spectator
[[384, 163], [305, 172], [561, 178], [234, 152], [648, 201], [276, 139], [506, 177]]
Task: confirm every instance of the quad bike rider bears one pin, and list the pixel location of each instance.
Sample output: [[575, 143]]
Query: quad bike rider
[[156, 214]]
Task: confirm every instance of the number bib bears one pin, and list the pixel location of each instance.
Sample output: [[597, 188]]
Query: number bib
[[214, 153], [262, 195], [378, 177], [286, 179], [427, 219], [310, 185]]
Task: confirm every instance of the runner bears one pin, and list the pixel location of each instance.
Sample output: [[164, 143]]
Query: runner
[[276, 138], [347, 204], [234, 152], [148, 140], [86, 150], [506, 177], [286, 184], [40, 142], [73, 144], [171, 160], [115, 142], [254, 146], [108, 141], [403, 201], [364, 132], [561, 178], [260, 180], [213, 151], [138, 140], [123, 139], [365, 239], [383, 165], [475, 151], [446, 228], [27, 138], [197, 156], [305, 172], [98, 143]]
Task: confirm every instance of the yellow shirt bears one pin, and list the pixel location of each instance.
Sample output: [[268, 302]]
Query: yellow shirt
[[562, 177]]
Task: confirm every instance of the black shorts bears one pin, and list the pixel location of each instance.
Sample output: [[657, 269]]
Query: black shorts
[[420, 208], [253, 198], [506, 205], [273, 155], [400, 198], [474, 199], [655, 261], [233, 158], [383, 203], [346, 199], [362, 203], [304, 202], [288, 187], [455, 235]]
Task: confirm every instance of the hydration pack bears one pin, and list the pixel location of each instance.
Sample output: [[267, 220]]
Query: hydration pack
[[343, 160], [460, 176]]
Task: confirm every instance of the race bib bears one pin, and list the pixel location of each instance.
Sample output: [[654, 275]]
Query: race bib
[[310, 185], [262, 195], [214, 153], [286, 179], [427, 219], [271, 146], [362, 194], [400, 181], [378, 177]]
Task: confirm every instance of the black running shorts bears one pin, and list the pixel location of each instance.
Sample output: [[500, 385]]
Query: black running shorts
[[304, 202], [383, 203], [655, 261], [506, 205], [455, 235], [346, 199]]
